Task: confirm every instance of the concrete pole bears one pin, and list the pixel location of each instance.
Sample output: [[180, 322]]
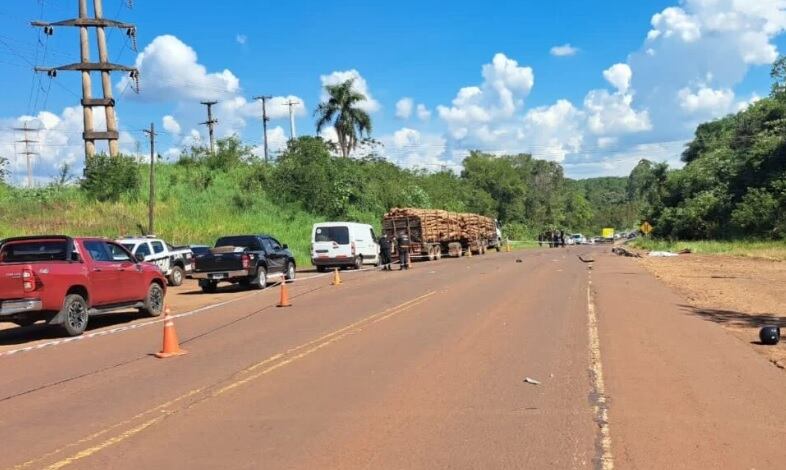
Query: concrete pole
[[106, 82], [87, 93]]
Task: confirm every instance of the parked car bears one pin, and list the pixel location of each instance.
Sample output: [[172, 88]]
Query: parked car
[[578, 239], [175, 262], [343, 245], [248, 260], [64, 281]]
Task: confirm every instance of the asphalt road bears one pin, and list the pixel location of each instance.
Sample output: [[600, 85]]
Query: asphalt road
[[418, 369]]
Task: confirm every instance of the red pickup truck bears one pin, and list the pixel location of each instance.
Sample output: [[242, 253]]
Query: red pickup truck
[[65, 280]]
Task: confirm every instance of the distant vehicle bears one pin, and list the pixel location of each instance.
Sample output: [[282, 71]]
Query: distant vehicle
[[175, 262], [433, 233], [248, 260], [578, 239], [64, 281], [343, 245]]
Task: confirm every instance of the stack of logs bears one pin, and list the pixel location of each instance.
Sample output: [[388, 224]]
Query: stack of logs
[[434, 226]]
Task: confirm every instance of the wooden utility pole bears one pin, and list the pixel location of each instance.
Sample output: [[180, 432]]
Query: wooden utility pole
[[28, 152], [265, 119], [291, 103], [151, 203], [84, 22], [210, 123]]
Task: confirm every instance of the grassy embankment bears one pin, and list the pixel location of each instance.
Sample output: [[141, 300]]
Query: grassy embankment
[[183, 215], [773, 250]]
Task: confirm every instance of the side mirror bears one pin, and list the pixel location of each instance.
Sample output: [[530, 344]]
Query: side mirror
[[286, 247]]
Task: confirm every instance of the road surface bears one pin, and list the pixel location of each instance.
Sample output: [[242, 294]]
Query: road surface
[[421, 369]]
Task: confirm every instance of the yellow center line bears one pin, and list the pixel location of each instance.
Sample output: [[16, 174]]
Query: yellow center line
[[286, 358]]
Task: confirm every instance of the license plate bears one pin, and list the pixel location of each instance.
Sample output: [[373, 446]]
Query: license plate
[[218, 276]]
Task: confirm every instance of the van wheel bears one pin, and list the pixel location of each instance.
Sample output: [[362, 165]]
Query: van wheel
[[74, 315], [176, 276], [154, 301], [358, 263]]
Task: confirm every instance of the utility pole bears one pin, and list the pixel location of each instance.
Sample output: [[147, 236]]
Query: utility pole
[[151, 203], [265, 119], [28, 152], [291, 103], [210, 123], [84, 22]]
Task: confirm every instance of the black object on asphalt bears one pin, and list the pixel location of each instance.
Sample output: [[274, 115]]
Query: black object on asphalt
[[770, 335]]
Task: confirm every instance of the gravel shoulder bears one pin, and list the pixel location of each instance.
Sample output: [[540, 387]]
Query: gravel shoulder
[[741, 294]]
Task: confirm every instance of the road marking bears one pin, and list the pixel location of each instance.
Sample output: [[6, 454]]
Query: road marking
[[286, 358], [600, 401], [133, 326]]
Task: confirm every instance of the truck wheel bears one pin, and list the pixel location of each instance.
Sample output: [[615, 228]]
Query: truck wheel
[[290, 272], [260, 282], [154, 301], [176, 276], [75, 314], [321, 269], [358, 263], [208, 287]]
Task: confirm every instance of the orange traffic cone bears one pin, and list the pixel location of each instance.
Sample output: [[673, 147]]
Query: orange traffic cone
[[284, 298], [171, 346], [336, 278]]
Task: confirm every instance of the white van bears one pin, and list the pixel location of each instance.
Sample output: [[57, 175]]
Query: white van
[[343, 244]]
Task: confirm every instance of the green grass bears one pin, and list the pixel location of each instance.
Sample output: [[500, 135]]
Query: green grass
[[773, 250], [184, 215]]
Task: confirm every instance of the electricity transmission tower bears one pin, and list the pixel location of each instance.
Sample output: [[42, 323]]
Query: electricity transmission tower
[[152, 196], [210, 123], [85, 66], [265, 119], [28, 151]]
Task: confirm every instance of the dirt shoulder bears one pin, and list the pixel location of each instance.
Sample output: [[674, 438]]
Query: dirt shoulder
[[741, 294]]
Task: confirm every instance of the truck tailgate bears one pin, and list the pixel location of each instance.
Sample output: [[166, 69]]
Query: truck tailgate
[[11, 281], [219, 262]]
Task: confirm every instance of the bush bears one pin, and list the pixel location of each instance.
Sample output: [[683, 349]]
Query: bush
[[109, 178]]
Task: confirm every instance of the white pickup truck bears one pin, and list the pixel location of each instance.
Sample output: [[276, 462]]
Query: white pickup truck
[[175, 262]]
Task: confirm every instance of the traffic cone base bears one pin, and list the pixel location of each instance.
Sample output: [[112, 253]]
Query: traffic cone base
[[336, 278], [171, 346], [284, 298]]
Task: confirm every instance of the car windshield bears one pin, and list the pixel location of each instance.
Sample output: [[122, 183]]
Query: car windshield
[[200, 250], [34, 250], [338, 234]]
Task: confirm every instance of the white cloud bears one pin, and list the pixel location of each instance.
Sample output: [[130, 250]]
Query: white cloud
[[505, 85], [706, 101], [674, 21], [619, 76], [241, 39], [404, 108], [423, 112], [552, 132], [565, 50], [359, 84], [171, 125], [169, 71], [613, 114], [414, 149]]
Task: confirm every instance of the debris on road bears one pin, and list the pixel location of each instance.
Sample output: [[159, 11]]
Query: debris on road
[[519, 260], [770, 335], [622, 251], [531, 381], [586, 259], [662, 254]]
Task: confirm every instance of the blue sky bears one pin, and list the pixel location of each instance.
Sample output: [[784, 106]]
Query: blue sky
[[485, 74]]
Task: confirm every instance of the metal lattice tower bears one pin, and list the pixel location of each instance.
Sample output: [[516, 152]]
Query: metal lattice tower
[[103, 66], [28, 152]]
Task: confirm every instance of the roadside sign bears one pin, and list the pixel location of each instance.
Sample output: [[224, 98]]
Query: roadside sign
[[646, 228], [607, 233]]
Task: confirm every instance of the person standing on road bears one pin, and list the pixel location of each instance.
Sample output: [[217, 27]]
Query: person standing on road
[[562, 238], [540, 239], [384, 252], [403, 249]]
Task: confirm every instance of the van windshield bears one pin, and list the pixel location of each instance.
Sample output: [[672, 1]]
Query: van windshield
[[336, 234]]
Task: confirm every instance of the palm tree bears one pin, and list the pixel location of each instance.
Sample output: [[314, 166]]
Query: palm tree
[[341, 110]]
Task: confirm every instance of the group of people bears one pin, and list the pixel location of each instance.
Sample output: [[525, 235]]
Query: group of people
[[386, 250], [554, 238]]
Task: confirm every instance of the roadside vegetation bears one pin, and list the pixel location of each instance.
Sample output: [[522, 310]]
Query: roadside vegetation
[[769, 249]]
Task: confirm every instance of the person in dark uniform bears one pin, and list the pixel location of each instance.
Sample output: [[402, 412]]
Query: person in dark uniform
[[403, 249], [540, 239], [384, 252], [562, 238]]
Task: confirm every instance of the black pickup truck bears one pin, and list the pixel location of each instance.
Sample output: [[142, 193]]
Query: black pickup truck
[[248, 260]]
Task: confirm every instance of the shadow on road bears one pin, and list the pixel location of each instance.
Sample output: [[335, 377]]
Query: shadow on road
[[41, 331], [742, 319]]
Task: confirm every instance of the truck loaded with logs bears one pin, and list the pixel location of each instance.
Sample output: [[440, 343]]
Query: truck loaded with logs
[[434, 233]]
